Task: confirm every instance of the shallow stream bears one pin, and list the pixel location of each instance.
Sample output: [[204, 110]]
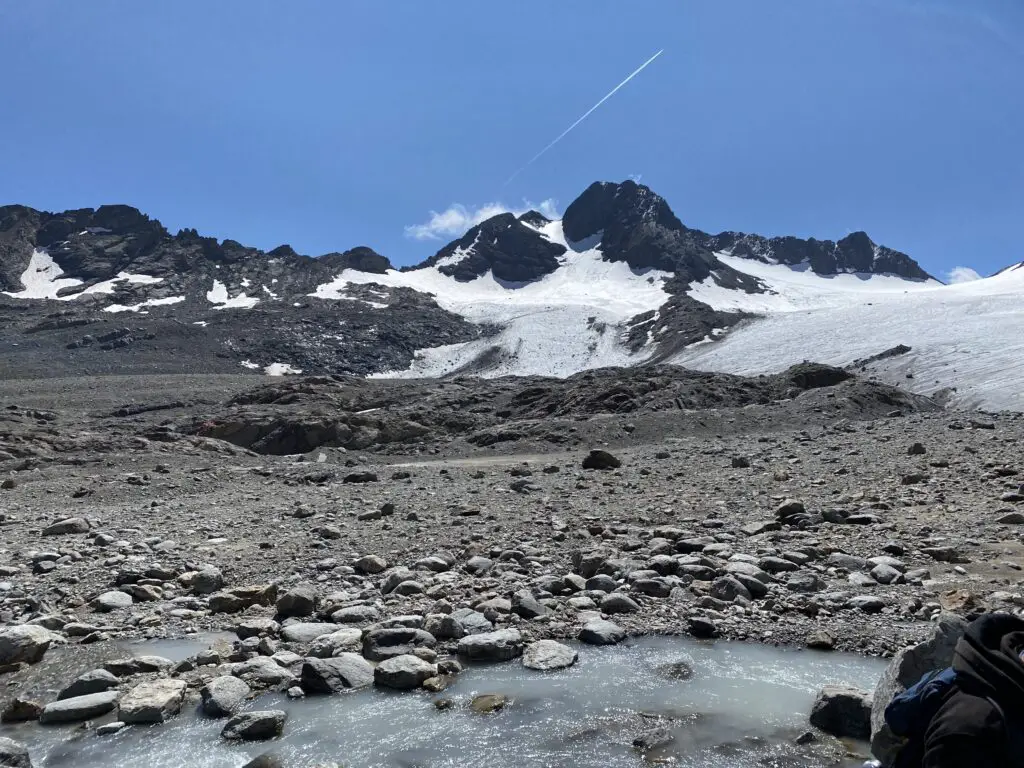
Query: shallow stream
[[742, 707]]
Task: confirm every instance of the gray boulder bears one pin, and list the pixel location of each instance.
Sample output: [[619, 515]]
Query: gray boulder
[[403, 672], [300, 600], [906, 668], [345, 671], [501, 645], [154, 701], [79, 708], [307, 631], [617, 602], [114, 600], [255, 726], [842, 711], [601, 632], [341, 640], [14, 754], [67, 526], [548, 655], [222, 696], [381, 644], [24, 643], [96, 681]]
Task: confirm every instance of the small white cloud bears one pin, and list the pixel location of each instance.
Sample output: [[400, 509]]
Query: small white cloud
[[962, 275], [456, 219]]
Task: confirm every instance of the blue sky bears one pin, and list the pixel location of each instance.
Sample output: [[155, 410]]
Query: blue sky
[[338, 123]]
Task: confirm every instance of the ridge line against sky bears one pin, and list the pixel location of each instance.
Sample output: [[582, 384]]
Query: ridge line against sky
[[808, 118]]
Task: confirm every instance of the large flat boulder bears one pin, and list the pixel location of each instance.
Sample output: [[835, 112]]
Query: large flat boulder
[[79, 708], [345, 671], [24, 643], [153, 701], [501, 645]]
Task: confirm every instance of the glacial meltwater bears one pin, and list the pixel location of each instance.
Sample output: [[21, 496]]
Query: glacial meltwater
[[720, 705]]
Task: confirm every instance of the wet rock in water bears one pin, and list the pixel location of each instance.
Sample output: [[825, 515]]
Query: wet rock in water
[[821, 641], [109, 729], [547, 655], [96, 681], [255, 726], [222, 696], [153, 701], [502, 645], [20, 710], [24, 643], [137, 665], [602, 632], [403, 672], [79, 708], [263, 672], [676, 670], [345, 671], [381, 644], [906, 668], [299, 601], [14, 754], [842, 711], [598, 459], [67, 526], [486, 703], [265, 761], [659, 737]]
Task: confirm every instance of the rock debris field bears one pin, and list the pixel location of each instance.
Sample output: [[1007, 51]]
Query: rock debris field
[[428, 525]]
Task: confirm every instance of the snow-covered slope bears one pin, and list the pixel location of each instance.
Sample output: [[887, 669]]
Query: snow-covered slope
[[564, 322], [968, 337]]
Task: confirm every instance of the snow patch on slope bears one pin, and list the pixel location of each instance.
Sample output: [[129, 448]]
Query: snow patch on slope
[[567, 321], [793, 288], [144, 304], [42, 278], [219, 295], [968, 335]]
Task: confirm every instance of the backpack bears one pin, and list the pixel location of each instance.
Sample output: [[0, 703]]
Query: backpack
[[910, 713]]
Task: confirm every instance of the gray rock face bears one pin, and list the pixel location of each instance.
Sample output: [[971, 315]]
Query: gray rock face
[[255, 726], [207, 581], [394, 577], [326, 646], [501, 645], [403, 672], [547, 655], [79, 708], [728, 588], [306, 632], [262, 672], [14, 754], [381, 644], [617, 602], [297, 601], [842, 711], [906, 668], [153, 701], [222, 696], [114, 600], [24, 643], [345, 671], [96, 681], [601, 632], [67, 526]]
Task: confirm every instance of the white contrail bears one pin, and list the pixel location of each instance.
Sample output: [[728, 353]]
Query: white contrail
[[588, 113]]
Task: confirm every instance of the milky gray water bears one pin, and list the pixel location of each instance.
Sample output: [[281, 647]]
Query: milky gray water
[[742, 708]]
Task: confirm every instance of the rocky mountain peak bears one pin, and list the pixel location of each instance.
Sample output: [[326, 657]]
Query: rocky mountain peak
[[504, 245]]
